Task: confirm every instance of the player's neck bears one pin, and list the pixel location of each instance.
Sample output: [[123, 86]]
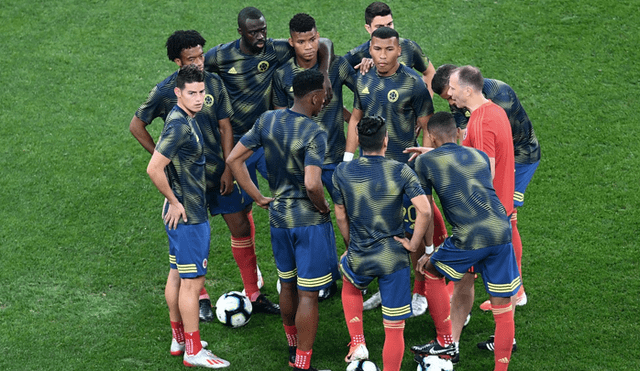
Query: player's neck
[[301, 109], [306, 64], [186, 110], [476, 102]]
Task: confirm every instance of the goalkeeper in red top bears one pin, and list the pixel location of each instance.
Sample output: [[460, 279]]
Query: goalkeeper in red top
[[481, 232]]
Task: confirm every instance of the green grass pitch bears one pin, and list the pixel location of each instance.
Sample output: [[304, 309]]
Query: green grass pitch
[[82, 249]]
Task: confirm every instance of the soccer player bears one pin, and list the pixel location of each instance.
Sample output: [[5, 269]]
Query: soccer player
[[489, 131], [368, 203], [396, 93], [481, 235], [183, 48], [177, 169], [525, 147], [302, 236], [376, 15]]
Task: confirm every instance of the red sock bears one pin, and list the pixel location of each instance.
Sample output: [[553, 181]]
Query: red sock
[[418, 287], [192, 342], [352, 307], [203, 294], [450, 287], [439, 307], [244, 252], [303, 359], [292, 335], [505, 330], [393, 349], [439, 228], [177, 330], [516, 241]]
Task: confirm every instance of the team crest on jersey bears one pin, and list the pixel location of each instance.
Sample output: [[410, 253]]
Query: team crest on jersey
[[392, 95], [204, 263], [208, 100], [263, 66]]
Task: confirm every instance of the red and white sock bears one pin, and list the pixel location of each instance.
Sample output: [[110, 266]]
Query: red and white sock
[[439, 307], [292, 335], [203, 294], [177, 331], [352, 307], [192, 342], [244, 253], [303, 359]]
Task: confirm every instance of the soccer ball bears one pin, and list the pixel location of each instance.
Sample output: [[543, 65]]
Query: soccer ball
[[362, 365], [435, 363], [233, 309]]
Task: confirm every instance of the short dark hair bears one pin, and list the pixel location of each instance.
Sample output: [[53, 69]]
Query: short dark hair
[[188, 74], [470, 76], [248, 13], [385, 33], [307, 81], [442, 125], [302, 22], [441, 78], [180, 40], [371, 133], [376, 9]]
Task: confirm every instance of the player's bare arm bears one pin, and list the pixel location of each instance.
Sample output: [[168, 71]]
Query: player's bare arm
[[139, 130], [155, 169], [343, 222], [325, 56], [352, 135], [226, 140], [427, 76], [315, 190], [421, 126], [236, 161]]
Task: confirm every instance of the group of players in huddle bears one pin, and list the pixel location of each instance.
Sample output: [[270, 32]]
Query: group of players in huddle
[[276, 107]]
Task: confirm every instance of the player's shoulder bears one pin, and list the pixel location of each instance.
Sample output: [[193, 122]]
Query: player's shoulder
[[410, 73], [407, 43], [210, 77]]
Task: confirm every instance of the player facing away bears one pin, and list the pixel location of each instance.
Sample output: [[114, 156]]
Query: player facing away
[[184, 48], [396, 93], [177, 168], [368, 204], [377, 15], [246, 66], [489, 131], [526, 149], [481, 232], [302, 236]]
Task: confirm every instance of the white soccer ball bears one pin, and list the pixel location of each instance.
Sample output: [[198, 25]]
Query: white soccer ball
[[233, 309], [435, 363], [363, 365]]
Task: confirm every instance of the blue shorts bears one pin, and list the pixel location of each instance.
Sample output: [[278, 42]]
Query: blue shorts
[[395, 290], [307, 254], [497, 264], [524, 173], [238, 199], [409, 213], [189, 249], [327, 178]]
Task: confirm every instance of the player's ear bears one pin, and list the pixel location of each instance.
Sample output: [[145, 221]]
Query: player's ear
[[290, 42], [177, 92], [368, 28], [240, 31], [178, 62]]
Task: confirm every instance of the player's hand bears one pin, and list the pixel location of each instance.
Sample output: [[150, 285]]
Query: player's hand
[[328, 90], [406, 243], [422, 262], [264, 202], [226, 182], [416, 151], [173, 215], [364, 66]]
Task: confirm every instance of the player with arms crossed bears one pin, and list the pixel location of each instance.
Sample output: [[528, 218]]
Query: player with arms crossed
[[396, 93], [526, 150], [177, 169], [377, 15], [183, 48], [481, 234], [302, 236], [368, 203]]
